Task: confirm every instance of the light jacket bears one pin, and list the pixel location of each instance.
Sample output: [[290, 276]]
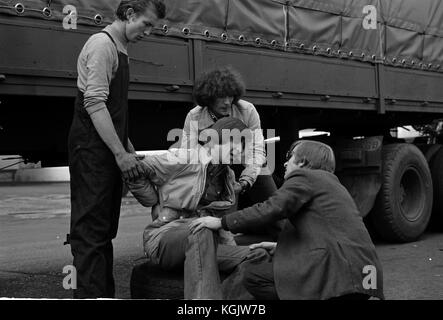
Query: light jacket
[[173, 185], [246, 112]]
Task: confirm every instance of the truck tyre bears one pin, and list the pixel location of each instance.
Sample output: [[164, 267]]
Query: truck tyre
[[429, 151], [436, 166], [403, 206]]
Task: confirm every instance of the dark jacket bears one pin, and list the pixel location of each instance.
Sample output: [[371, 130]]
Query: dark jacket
[[324, 245]]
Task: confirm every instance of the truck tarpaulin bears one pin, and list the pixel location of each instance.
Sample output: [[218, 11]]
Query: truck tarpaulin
[[404, 33]]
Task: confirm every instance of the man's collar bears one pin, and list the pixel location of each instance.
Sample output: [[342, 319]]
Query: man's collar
[[214, 117], [118, 34], [208, 118]]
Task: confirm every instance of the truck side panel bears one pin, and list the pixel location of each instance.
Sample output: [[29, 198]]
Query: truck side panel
[[273, 71], [41, 59]]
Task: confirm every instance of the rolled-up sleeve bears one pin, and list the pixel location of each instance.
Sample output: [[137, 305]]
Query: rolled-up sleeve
[[186, 132], [144, 191], [190, 132], [101, 59], [257, 149]]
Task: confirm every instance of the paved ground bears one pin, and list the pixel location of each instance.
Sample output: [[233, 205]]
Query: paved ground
[[34, 220]]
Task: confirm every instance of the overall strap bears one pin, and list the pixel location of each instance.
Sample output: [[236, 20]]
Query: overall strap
[[110, 37]]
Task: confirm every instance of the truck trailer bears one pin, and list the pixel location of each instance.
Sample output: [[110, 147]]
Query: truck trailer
[[356, 69]]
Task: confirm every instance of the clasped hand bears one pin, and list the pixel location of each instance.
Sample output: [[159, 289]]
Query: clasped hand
[[130, 165]]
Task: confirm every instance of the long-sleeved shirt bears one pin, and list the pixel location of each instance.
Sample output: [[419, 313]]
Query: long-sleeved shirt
[[97, 65]]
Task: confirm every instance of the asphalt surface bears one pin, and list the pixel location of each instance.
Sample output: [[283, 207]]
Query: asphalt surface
[[34, 220]]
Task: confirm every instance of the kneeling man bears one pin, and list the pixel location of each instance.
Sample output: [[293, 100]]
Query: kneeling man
[[324, 250]]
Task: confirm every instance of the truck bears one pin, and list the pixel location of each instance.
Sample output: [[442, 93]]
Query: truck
[[355, 69]]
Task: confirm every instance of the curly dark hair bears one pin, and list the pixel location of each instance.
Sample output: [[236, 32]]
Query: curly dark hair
[[140, 6], [218, 83]]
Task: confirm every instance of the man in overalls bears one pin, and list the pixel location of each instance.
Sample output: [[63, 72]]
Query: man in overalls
[[100, 152]]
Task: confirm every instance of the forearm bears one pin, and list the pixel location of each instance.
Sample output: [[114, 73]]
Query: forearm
[[190, 133], [255, 157], [285, 203], [144, 191], [103, 124], [259, 215], [233, 222], [130, 148], [250, 174]]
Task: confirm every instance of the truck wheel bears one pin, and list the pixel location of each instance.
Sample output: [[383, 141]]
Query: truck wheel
[[436, 166], [403, 206]]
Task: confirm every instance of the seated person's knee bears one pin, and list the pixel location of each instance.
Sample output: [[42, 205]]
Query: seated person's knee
[[258, 255]]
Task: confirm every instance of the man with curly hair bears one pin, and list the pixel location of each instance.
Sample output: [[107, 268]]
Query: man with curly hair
[[218, 94]]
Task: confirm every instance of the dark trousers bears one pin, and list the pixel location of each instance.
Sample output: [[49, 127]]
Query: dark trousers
[[263, 188], [258, 279], [96, 189]]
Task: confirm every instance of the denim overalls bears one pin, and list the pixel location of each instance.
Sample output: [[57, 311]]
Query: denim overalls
[[96, 189]]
